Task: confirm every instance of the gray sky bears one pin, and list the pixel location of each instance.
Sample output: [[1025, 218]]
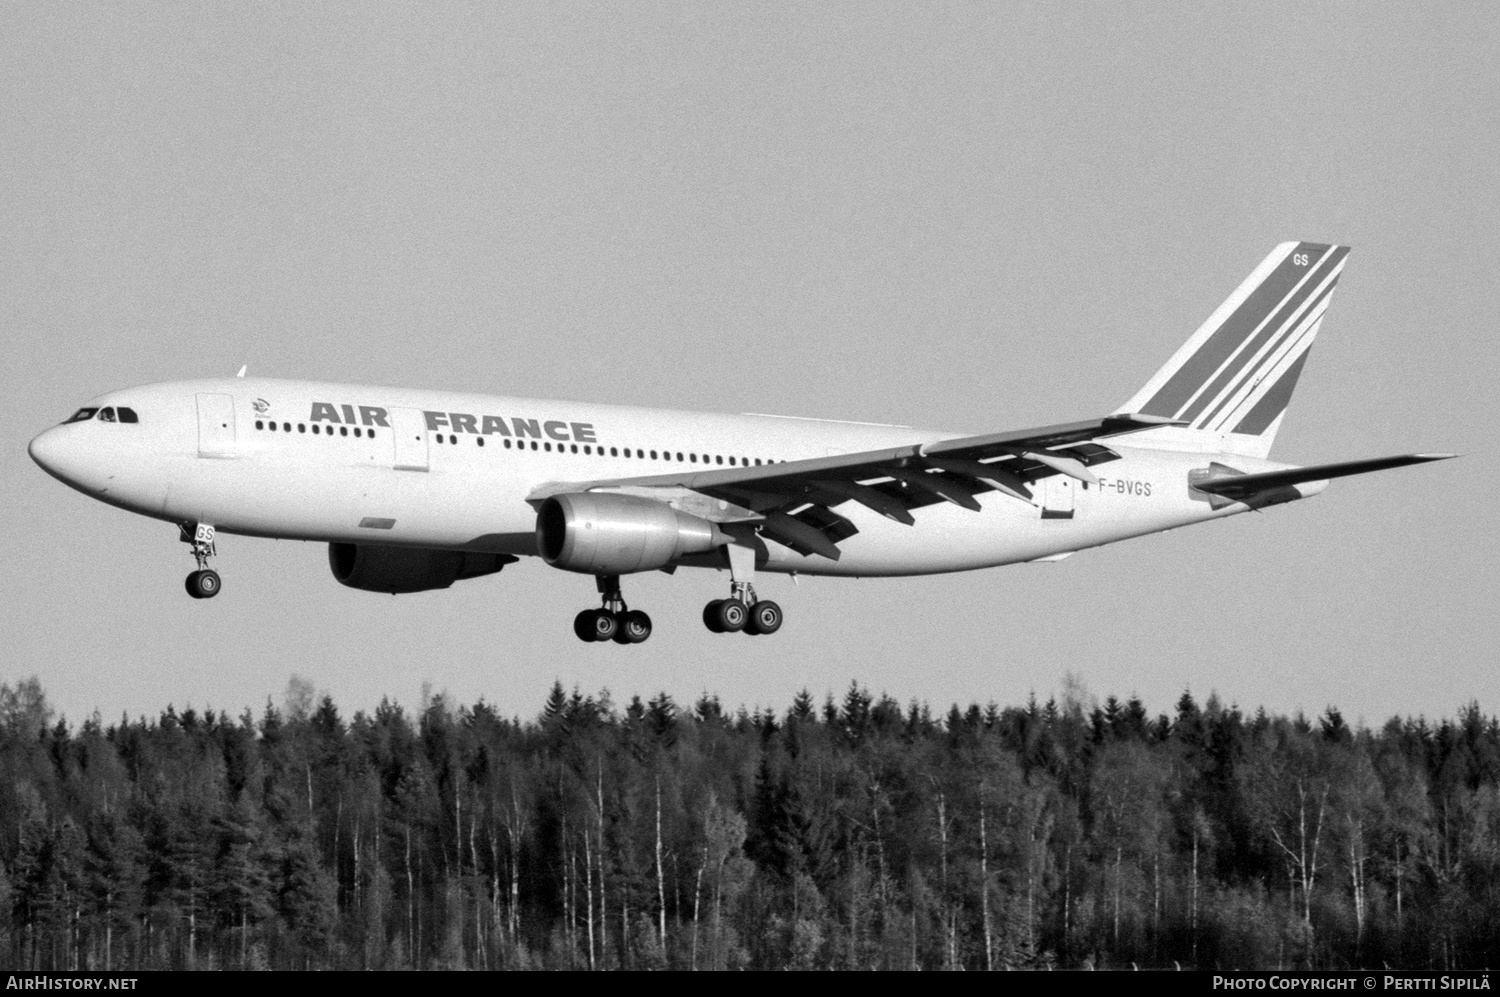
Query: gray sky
[[967, 217]]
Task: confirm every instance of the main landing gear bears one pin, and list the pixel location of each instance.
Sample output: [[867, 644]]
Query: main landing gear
[[742, 611], [614, 621], [735, 614], [203, 583]]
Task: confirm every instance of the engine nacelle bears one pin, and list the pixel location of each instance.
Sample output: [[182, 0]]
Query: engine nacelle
[[605, 534], [377, 568]]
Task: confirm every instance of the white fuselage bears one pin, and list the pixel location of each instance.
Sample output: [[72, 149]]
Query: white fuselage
[[417, 474]]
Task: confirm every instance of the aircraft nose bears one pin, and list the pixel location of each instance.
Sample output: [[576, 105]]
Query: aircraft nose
[[51, 450], [43, 449]]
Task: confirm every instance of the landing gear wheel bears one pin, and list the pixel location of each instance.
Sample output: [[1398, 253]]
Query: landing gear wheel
[[731, 616], [635, 627], [605, 624], [614, 621], [203, 584], [583, 626], [765, 618], [711, 616]]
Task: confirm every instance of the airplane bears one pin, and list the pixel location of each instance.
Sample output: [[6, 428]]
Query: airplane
[[414, 490]]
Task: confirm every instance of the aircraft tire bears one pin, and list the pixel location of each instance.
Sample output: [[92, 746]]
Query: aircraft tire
[[203, 584], [605, 625], [731, 616], [711, 616], [765, 618], [583, 626], [635, 627]]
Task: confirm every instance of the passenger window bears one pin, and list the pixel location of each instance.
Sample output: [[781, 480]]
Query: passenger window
[[679, 455], [127, 414], [82, 415], [575, 448], [507, 444], [301, 427], [370, 433], [693, 457], [356, 431], [718, 458], [479, 440], [261, 425], [614, 451], [106, 414]]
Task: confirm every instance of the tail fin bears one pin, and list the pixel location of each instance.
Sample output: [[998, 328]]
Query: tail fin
[[1230, 383]]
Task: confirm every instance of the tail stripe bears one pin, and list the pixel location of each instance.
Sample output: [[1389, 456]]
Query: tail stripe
[[1276, 362], [1244, 366], [1233, 332], [1274, 402]]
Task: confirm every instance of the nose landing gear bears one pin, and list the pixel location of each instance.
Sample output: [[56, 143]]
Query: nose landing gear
[[203, 583], [614, 621]]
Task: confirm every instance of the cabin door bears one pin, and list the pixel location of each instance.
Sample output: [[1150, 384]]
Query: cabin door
[[409, 431], [216, 426]]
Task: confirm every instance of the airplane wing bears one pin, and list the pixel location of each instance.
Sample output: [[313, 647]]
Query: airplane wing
[[793, 502], [1243, 486]]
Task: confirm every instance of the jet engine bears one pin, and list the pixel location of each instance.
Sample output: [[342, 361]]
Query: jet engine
[[377, 568], [606, 534]]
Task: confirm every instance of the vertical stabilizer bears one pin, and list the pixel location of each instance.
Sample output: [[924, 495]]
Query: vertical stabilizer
[[1232, 380]]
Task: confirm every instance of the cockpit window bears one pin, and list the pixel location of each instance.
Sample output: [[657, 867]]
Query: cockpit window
[[82, 415], [107, 414], [127, 414]]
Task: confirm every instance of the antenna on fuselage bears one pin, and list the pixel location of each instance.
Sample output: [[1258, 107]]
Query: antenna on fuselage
[[243, 368]]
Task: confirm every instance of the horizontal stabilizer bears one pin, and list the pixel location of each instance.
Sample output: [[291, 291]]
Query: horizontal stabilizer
[[1239, 486]]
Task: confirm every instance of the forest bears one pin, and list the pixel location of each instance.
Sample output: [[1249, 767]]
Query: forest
[[855, 833]]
